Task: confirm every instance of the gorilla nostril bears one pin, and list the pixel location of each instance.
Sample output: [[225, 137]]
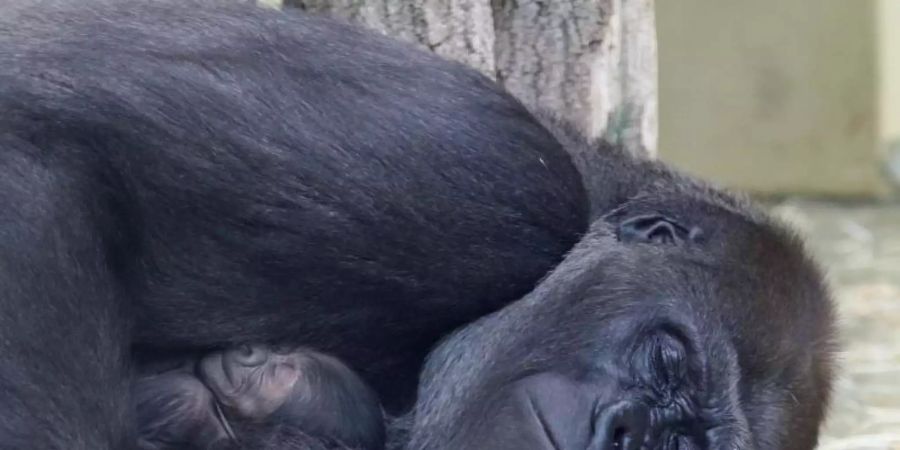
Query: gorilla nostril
[[618, 438], [249, 355], [621, 426]]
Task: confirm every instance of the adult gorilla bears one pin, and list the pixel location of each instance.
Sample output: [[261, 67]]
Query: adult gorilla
[[178, 177], [684, 320]]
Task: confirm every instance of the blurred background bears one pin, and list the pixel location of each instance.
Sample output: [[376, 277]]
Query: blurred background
[[799, 102], [783, 97], [794, 101]]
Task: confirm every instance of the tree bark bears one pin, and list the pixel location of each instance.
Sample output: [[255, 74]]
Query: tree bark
[[592, 61]]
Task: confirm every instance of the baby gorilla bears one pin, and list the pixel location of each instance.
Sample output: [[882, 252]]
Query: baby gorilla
[[256, 394]]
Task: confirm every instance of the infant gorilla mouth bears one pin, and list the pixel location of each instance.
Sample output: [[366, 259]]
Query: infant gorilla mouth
[[229, 395]]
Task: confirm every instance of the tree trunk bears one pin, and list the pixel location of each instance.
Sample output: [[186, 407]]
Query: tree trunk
[[592, 61]]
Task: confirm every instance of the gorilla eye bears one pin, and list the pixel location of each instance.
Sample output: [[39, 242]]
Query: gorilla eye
[[661, 362], [667, 360]]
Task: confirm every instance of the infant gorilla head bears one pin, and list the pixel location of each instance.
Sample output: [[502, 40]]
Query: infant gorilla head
[[256, 389]]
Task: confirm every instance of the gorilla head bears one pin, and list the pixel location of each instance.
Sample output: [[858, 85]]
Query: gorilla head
[[685, 320], [295, 387], [256, 396]]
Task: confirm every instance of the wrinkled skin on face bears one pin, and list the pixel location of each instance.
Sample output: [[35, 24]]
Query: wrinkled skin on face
[[256, 393]]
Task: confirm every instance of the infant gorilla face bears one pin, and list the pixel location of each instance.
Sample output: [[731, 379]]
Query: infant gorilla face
[[256, 385], [254, 382], [295, 387]]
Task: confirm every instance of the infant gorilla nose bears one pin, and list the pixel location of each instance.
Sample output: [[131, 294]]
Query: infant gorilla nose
[[548, 411]]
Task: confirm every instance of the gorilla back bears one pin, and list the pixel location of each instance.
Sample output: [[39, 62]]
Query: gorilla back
[[184, 175]]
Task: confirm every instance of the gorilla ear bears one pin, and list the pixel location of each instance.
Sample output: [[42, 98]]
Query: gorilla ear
[[655, 229]]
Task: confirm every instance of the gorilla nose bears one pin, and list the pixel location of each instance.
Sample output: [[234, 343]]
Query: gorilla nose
[[549, 411], [248, 355], [621, 426]]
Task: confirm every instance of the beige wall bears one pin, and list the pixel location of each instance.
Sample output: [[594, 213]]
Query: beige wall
[[889, 47], [776, 96]]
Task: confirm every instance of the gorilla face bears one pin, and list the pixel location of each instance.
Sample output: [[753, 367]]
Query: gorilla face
[[297, 388], [600, 407], [655, 333], [628, 389], [251, 381]]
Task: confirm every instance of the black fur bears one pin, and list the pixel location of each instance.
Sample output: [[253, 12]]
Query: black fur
[[177, 177], [720, 342]]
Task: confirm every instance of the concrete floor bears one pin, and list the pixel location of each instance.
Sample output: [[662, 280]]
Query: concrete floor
[[859, 246]]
